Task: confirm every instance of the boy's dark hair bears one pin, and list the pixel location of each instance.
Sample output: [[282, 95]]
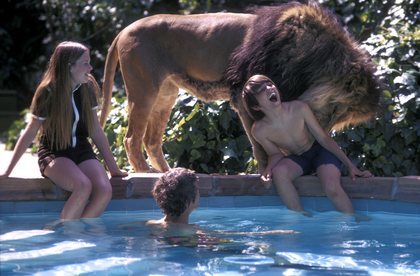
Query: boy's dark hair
[[251, 88], [175, 190]]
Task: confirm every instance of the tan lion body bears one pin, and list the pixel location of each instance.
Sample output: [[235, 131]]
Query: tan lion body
[[160, 54], [157, 56]]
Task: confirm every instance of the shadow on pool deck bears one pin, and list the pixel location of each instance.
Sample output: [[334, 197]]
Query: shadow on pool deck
[[26, 184]]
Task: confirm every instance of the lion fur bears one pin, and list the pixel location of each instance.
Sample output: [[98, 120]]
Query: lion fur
[[302, 47], [311, 57]]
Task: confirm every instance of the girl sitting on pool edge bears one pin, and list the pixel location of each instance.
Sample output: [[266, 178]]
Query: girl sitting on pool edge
[[64, 111]]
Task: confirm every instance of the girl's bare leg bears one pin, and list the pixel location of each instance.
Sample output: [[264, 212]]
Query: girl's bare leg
[[101, 188], [67, 175]]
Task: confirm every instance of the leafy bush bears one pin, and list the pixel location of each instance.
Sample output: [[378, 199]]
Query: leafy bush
[[115, 129], [389, 145], [15, 130], [207, 137]]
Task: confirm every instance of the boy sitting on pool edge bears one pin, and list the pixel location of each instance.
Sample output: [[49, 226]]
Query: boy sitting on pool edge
[[295, 144]]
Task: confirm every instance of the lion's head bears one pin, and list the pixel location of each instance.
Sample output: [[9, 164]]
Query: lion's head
[[310, 56]]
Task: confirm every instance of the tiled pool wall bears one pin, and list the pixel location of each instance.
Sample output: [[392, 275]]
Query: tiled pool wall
[[389, 194]]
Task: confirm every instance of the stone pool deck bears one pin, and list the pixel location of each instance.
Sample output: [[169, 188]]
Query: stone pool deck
[[26, 184]]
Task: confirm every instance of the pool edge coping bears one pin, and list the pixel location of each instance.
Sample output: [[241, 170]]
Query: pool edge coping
[[139, 185]]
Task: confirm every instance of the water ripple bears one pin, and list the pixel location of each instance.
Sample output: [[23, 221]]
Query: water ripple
[[18, 235], [56, 249]]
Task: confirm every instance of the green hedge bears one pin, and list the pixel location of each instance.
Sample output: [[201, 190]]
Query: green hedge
[[390, 145]]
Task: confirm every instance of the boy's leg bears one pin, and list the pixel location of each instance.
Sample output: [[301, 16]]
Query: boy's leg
[[330, 178], [283, 174]]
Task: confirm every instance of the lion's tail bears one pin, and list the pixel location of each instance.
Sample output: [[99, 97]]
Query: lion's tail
[[109, 73]]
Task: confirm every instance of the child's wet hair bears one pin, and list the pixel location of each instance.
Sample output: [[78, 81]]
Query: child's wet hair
[[175, 190]]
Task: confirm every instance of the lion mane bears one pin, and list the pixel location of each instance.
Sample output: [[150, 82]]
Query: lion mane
[[310, 56]]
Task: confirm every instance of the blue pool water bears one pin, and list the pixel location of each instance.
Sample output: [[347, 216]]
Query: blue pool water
[[118, 243]]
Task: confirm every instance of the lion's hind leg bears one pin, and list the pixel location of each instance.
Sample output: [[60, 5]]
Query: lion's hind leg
[[133, 140], [159, 118], [141, 96]]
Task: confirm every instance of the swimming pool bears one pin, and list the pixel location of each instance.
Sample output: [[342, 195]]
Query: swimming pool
[[117, 244]]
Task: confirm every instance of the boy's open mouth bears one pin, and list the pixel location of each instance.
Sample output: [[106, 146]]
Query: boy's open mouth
[[273, 97]]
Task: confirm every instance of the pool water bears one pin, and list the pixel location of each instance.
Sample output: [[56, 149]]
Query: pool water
[[119, 243]]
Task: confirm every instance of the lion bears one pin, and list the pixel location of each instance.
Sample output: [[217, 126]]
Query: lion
[[302, 47]]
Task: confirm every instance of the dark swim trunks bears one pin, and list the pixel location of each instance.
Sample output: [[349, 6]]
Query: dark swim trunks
[[316, 156], [82, 152]]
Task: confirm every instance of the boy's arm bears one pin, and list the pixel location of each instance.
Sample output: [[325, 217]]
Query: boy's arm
[[272, 161], [274, 154], [328, 143]]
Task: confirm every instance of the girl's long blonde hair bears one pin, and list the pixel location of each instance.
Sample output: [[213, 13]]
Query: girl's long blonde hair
[[56, 83]]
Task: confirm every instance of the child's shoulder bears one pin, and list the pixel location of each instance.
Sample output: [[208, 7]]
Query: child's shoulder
[[299, 106], [154, 222], [257, 127]]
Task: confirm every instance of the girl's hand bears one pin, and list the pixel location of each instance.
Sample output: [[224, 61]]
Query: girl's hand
[[119, 173], [4, 175]]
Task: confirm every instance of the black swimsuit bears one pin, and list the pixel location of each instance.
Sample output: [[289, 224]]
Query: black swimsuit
[[80, 149]]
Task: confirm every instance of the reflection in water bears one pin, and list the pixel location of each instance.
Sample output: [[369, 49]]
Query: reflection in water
[[90, 266], [362, 244], [18, 235], [318, 260], [249, 260], [234, 241], [57, 248]]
